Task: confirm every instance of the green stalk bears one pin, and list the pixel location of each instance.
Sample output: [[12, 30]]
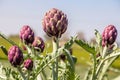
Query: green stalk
[[106, 66], [8, 40], [100, 65], [104, 52], [104, 62], [28, 75], [55, 51], [46, 65], [87, 75], [103, 70], [53, 72], [44, 75], [21, 73], [94, 68]]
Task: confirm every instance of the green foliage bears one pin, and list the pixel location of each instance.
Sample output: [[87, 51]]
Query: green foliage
[[10, 73], [6, 45], [70, 43], [86, 46], [98, 38], [4, 50], [82, 48], [70, 59], [7, 39]]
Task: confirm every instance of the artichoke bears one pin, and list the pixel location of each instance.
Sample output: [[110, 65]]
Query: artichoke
[[26, 34], [15, 56], [109, 35], [28, 64], [55, 23], [38, 44]]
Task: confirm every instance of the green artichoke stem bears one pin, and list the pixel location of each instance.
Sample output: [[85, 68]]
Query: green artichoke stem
[[55, 51], [21, 73]]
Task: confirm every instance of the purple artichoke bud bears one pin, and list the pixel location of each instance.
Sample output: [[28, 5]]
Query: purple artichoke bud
[[55, 23], [26, 34], [28, 64], [38, 44], [15, 56], [109, 35]]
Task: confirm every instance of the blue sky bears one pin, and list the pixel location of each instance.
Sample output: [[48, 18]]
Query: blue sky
[[83, 15]]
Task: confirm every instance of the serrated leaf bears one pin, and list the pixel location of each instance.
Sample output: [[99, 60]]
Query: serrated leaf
[[86, 46], [70, 43], [4, 50], [8, 40]]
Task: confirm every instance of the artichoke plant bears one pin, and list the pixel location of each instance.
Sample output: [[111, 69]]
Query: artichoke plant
[[38, 44], [109, 35], [55, 23], [26, 34], [28, 64], [15, 56]]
